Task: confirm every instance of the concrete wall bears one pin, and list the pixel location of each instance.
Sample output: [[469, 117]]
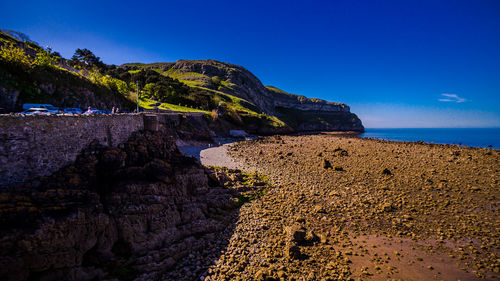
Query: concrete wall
[[35, 146]]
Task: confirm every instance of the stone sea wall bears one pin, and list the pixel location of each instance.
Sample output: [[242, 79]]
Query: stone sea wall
[[34, 146]]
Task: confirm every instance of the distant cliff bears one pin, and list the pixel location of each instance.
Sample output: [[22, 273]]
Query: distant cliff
[[299, 112], [310, 114]]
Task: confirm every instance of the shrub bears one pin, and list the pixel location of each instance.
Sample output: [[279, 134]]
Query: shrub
[[13, 54], [44, 59], [216, 80], [116, 85]]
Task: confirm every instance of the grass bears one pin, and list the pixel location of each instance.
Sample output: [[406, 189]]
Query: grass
[[148, 104], [233, 103], [244, 198], [148, 65], [274, 89], [250, 177], [180, 75], [174, 107], [228, 84]]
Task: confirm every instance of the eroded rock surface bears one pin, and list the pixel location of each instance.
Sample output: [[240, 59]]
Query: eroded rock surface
[[130, 212]]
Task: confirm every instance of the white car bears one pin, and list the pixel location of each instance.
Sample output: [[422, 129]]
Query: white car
[[50, 108], [36, 111]]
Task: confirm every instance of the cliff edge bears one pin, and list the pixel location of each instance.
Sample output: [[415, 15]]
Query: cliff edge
[[298, 112]]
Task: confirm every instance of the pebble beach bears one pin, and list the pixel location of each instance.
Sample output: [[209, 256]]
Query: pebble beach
[[346, 208]]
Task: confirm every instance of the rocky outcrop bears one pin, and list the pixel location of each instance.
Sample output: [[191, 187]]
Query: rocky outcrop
[[320, 121], [240, 82], [125, 212], [243, 83], [287, 100]]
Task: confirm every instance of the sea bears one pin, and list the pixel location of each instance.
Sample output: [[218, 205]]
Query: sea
[[475, 137]]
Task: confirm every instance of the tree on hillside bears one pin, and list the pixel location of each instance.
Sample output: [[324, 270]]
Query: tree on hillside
[[85, 58], [45, 59]]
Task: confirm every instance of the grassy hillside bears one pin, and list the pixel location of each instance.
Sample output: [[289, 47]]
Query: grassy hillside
[[168, 88], [56, 86], [229, 94], [30, 74]]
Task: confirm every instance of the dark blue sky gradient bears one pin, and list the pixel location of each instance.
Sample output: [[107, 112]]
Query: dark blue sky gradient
[[391, 61]]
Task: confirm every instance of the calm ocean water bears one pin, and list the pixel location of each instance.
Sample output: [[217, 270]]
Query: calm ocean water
[[476, 137]]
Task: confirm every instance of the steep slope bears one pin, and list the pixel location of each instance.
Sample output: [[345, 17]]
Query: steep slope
[[224, 77], [29, 74], [309, 114], [54, 86], [299, 112]]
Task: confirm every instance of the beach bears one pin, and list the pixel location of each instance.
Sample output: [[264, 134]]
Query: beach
[[342, 207]]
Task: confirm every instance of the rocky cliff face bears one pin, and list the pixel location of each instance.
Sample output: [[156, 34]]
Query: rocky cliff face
[[286, 100], [243, 83], [127, 212], [239, 82]]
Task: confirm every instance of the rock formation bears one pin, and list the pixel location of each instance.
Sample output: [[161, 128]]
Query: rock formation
[[243, 83], [123, 212], [299, 112]]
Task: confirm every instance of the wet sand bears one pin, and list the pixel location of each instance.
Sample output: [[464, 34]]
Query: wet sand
[[348, 208]]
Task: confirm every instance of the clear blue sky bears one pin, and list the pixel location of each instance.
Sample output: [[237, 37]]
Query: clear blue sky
[[400, 63]]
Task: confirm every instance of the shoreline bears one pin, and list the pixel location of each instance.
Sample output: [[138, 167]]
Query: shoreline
[[407, 204], [426, 143], [469, 137]]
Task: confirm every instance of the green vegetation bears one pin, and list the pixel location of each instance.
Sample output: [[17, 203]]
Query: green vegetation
[[45, 59], [84, 58], [249, 178], [152, 104], [244, 198], [276, 90], [213, 87], [194, 92], [41, 76], [252, 179], [14, 55], [250, 185]]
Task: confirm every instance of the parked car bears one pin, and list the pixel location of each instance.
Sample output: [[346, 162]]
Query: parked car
[[73, 110], [50, 108], [36, 111]]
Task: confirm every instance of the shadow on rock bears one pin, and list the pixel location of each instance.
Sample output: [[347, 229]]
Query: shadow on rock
[[139, 211]]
